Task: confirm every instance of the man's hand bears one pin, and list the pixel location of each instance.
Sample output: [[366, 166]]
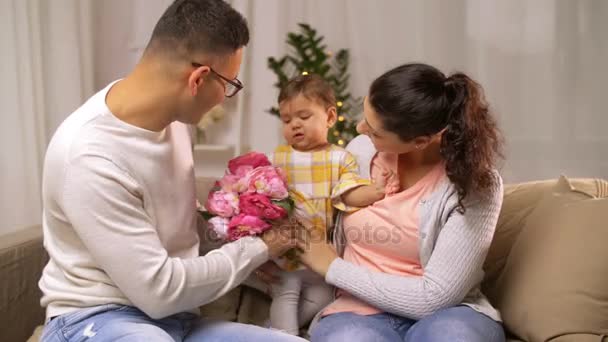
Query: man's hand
[[281, 237], [269, 273]]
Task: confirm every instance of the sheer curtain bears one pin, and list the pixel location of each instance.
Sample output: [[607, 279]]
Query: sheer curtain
[[47, 70], [542, 64]]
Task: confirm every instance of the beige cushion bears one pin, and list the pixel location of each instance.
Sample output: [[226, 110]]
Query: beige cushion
[[37, 334], [224, 308], [254, 308], [519, 201], [22, 259], [554, 280], [580, 338]]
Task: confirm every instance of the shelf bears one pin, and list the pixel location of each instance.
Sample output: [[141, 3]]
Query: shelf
[[214, 148]]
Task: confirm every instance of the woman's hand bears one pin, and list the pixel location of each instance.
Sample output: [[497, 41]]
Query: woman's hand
[[317, 254]]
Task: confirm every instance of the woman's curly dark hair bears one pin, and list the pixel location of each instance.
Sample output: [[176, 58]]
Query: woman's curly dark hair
[[416, 100]]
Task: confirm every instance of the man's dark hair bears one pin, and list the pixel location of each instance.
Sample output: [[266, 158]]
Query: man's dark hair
[[199, 26]]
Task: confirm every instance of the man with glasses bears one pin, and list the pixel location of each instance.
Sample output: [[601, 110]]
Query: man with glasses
[[232, 86], [119, 196]]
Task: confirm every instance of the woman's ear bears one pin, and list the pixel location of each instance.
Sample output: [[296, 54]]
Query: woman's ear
[[437, 137], [197, 78], [332, 116], [422, 142]]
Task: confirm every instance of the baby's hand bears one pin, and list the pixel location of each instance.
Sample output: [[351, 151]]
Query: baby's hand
[[380, 184]]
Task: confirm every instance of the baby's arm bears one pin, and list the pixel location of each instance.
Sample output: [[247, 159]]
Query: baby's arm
[[364, 195], [353, 192]]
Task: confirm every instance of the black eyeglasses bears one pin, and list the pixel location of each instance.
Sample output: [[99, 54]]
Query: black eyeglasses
[[231, 87]]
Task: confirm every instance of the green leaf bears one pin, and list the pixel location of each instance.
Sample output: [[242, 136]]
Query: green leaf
[[274, 111], [205, 214], [287, 204]]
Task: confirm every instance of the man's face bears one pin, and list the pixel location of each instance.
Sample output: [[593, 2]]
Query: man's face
[[212, 89]]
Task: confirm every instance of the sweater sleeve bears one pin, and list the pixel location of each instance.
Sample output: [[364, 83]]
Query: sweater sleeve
[[451, 273], [106, 209]]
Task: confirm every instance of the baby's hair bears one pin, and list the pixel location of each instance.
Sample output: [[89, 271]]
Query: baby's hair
[[312, 86]]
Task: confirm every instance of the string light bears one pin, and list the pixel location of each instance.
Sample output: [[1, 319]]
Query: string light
[[341, 118], [340, 142], [339, 104], [336, 134], [304, 73]]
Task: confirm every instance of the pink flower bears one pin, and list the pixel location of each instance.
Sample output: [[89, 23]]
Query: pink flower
[[233, 183], [241, 165], [260, 206], [246, 225], [222, 203], [220, 226], [269, 181]]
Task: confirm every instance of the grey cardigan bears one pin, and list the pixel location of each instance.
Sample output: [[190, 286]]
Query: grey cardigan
[[452, 246]]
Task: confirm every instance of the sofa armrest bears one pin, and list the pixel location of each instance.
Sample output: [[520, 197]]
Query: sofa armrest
[[22, 258]]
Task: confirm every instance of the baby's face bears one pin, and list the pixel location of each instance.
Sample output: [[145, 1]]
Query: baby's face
[[306, 122]]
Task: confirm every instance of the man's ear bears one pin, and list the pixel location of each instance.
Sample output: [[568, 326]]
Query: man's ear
[[197, 78], [332, 116]]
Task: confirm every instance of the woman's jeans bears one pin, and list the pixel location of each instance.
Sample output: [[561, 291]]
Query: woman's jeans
[[125, 323], [455, 324]]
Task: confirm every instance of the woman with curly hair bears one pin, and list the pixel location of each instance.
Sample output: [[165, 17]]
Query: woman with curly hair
[[409, 267]]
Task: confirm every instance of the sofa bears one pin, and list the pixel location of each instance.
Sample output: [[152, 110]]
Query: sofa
[[547, 268]]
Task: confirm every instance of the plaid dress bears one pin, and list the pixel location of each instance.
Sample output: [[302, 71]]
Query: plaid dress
[[316, 182]]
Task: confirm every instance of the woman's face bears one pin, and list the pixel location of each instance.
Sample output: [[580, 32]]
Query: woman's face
[[383, 140]]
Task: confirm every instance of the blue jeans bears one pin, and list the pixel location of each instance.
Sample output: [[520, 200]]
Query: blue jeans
[[455, 324], [124, 323]]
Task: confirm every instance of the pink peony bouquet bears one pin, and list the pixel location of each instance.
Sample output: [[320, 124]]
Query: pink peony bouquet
[[251, 194]]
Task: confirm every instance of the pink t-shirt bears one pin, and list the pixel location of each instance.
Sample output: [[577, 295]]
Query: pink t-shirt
[[384, 236]]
